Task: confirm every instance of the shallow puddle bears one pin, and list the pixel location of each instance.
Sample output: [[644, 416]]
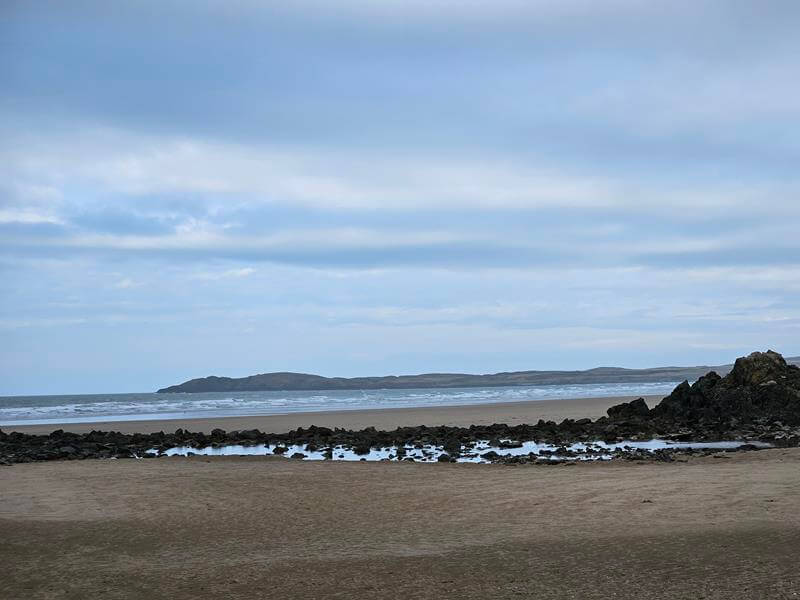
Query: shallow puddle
[[473, 453]]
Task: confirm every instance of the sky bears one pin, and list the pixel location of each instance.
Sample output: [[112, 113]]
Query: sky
[[350, 188]]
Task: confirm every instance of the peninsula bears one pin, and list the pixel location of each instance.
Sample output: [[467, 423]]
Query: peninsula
[[285, 381]]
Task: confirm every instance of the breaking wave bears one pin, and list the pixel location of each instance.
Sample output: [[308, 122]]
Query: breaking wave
[[22, 410]]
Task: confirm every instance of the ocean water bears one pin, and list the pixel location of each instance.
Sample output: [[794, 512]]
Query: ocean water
[[32, 410]]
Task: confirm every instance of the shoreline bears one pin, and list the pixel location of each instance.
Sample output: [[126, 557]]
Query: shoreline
[[512, 413]]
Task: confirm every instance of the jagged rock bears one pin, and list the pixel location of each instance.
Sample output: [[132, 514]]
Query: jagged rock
[[758, 368], [739, 397], [636, 409]]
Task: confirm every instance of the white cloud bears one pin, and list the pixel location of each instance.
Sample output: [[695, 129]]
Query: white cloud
[[133, 165], [123, 165], [686, 98], [126, 283], [26, 215], [226, 274]]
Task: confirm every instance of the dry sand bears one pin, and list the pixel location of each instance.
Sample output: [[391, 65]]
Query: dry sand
[[258, 527], [512, 413]]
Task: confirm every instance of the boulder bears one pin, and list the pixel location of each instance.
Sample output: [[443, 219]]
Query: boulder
[[362, 448], [636, 409], [758, 368], [452, 447]]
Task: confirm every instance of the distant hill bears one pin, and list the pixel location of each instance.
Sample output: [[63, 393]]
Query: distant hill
[[302, 381]]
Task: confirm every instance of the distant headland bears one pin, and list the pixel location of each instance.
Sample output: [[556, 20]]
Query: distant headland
[[285, 381]]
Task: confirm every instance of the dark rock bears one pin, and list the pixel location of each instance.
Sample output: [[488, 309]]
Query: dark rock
[[758, 368], [721, 403], [250, 434], [362, 448], [636, 409], [748, 448], [452, 447]]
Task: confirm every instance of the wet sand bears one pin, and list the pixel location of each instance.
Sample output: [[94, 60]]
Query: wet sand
[[258, 527], [512, 413]]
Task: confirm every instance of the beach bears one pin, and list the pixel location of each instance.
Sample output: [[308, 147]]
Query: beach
[[714, 525], [462, 416], [257, 527]]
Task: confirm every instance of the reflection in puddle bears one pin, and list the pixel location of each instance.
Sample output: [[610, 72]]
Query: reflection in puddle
[[473, 453]]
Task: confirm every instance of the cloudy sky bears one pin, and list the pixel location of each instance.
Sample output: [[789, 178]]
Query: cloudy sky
[[363, 188]]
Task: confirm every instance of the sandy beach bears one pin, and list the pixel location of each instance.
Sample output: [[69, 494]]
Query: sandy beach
[[462, 416], [713, 528], [721, 526]]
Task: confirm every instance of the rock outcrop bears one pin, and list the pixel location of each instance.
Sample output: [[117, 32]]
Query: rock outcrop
[[636, 409], [761, 387]]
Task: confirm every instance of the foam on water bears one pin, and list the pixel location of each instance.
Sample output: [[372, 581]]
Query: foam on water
[[31, 410]]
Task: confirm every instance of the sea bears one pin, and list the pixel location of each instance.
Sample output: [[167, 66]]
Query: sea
[[88, 408]]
